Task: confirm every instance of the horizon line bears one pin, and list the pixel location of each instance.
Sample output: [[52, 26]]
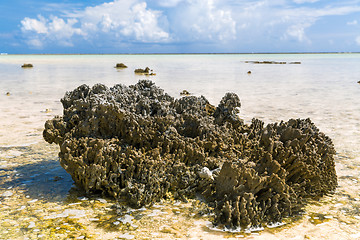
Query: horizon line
[[223, 53]]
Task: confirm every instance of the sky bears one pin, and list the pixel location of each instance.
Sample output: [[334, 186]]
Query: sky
[[179, 26]]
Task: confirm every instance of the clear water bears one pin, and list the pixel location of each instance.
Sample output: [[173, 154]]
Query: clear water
[[323, 87]]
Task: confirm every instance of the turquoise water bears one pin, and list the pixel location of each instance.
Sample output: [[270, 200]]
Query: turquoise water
[[323, 87]]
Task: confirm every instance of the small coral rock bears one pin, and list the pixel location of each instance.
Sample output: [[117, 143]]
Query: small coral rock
[[145, 71], [140, 70], [184, 93], [27, 65], [205, 173], [120, 65]]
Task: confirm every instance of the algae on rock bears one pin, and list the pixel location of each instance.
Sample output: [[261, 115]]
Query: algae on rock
[[139, 143]]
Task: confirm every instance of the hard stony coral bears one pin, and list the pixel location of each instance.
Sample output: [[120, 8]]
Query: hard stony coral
[[139, 143], [140, 70], [120, 65]]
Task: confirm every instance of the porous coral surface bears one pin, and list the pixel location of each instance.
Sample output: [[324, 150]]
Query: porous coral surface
[[140, 144]]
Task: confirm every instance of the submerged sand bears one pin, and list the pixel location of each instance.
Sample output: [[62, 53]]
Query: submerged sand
[[39, 201]]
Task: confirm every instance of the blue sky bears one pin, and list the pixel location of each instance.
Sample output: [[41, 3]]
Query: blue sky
[[179, 26]]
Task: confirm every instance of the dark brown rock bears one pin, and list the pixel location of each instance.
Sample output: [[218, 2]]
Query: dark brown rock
[[27, 65], [146, 71], [140, 70], [139, 143], [184, 93], [271, 62], [120, 65]]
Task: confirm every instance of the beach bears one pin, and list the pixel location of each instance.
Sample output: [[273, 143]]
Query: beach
[[39, 201]]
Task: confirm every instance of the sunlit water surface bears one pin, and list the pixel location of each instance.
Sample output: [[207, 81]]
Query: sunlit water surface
[[38, 199]]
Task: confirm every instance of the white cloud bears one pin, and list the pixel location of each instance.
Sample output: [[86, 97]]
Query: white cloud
[[221, 22], [38, 26], [129, 20], [168, 3], [144, 25], [53, 29], [38, 31], [203, 20], [297, 31], [132, 21], [355, 22], [358, 40], [305, 1], [304, 18], [279, 20], [35, 43]]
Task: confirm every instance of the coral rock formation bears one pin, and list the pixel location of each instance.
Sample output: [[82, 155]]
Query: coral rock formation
[[139, 143], [140, 70], [145, 71], [120, 65], [185, 93], [27, 65], [271, 62]]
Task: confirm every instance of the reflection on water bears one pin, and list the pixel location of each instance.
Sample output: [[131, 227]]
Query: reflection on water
[[35, 175], [39, 201]]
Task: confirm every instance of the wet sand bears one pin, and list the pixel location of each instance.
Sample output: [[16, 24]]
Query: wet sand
[[39, 201]]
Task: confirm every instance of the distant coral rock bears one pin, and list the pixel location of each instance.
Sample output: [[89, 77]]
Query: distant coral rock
[[145, 71], [138, 143], [271, 62], [27, 65], [140, 70], [120, 65], [184, 93]]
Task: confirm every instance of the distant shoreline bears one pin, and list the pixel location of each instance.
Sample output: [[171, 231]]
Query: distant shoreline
[[258, 53]]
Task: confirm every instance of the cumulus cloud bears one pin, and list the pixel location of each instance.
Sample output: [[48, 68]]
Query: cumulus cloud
[[203, 20], [53, 29], [143, 25], [125, 20], [355, 22], [132, 21], [305, 1], [120, 21], [221, 22], [284, 21], [168, 3], [297, 31], [38, 26]]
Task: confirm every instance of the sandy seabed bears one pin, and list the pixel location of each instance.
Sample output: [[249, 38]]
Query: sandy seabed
[[38, 199]]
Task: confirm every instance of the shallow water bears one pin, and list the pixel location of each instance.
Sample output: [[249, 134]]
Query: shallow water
[[36, 193]]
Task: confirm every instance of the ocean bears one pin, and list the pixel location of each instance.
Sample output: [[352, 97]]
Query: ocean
[[37, 196]]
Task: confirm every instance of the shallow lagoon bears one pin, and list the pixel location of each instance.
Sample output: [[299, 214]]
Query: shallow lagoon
[[38, 199]]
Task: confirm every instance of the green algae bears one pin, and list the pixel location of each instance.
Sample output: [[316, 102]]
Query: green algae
[[41, 188], [319, 218]]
